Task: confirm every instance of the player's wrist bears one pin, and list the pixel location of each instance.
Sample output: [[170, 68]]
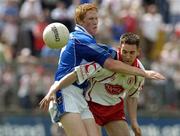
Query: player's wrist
[[139, 72], [134, 122]]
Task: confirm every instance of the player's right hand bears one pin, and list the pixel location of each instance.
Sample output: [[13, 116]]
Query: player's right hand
[[44, 103], [137, 130], [154, 75]]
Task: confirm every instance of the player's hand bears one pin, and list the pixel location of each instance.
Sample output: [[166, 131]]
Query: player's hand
[[44, 104], [136, 129], [154, 75]]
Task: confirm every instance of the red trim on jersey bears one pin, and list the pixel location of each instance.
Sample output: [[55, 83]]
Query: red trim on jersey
[[135, 90], [105, 114], [89, 93], [135, 80], [88, 65], [119, 54]]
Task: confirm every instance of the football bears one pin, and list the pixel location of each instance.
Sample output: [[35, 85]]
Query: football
[[56, 35]]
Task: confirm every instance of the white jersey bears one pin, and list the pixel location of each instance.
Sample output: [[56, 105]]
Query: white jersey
[[108, 88]]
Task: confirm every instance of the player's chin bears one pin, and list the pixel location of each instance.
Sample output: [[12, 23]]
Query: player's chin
[[94, 33], [94, 30]]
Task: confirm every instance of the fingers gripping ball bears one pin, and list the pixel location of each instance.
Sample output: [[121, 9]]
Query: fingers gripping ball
[[56, 35]]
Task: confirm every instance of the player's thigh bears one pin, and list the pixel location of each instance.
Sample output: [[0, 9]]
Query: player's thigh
[[117, 128], [91, 127], [73, 124]]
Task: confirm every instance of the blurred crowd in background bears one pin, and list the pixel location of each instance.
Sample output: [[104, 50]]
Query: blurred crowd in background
[[27, 66]]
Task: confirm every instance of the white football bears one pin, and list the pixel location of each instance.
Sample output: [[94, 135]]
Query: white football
[[56, 35]]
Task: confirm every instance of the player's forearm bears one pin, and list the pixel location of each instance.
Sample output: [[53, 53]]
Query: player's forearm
[[64, 82], [120, 67], [67, 80], [132, 109]]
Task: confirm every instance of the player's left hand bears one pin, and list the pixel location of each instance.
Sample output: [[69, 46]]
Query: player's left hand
[[136, 129], [44, 104], [154, 75]]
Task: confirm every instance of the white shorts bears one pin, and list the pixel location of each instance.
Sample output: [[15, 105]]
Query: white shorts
[[69, 99]]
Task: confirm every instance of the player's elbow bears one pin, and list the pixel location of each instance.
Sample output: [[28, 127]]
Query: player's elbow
[[109, 64]]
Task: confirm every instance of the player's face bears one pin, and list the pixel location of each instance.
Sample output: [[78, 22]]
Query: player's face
[[129, 53], [90, 22]]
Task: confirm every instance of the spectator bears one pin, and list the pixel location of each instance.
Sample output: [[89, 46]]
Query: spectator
[[29, 14], [150, 26]]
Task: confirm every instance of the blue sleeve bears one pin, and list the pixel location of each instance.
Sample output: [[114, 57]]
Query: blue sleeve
[[88, 49], [109, 49]]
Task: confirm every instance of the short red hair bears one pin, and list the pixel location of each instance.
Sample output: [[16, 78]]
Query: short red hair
[[81, 11]]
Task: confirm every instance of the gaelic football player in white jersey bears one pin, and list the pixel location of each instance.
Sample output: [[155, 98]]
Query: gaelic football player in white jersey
[[108, 90]]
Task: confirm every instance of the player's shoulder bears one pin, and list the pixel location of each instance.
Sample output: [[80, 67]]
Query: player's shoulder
[[109, 49], [82, 37], [140, 65]]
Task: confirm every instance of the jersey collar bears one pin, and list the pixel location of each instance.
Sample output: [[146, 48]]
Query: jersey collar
[[82, 29]]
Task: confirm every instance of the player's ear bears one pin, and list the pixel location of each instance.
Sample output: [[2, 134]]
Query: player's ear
[[81, 22]]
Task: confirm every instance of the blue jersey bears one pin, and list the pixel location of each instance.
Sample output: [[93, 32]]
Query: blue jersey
[[81, 48]]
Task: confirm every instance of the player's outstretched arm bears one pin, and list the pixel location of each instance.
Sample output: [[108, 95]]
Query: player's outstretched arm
[[57, 85], [80, 74], [154, 75], [120, 67]]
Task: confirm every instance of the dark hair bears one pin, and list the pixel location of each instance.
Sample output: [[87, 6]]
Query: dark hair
[[130, 38]]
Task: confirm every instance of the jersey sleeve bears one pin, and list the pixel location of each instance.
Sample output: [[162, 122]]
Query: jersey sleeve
[[109, 49], [139, 83], [86, 71], [88, 49], [135, 90]]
